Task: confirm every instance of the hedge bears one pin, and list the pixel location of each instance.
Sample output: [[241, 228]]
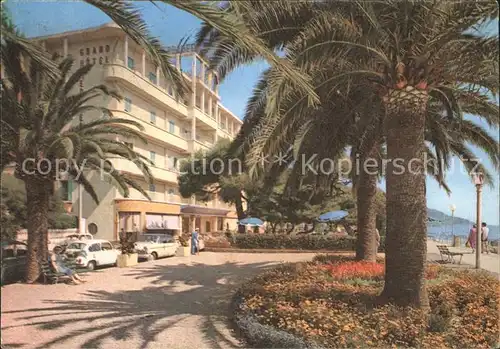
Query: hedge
[[304, 242]]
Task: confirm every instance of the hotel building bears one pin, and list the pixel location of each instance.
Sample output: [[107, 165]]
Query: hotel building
[[174, 128]]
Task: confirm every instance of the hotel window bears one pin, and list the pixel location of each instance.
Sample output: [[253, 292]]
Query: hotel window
[[152, 157], [152, 78], [171, 192], [152, 117], [107, 48], [171, 127], [128, 104], [107, 60], [94, 50], [94, 60], [100, 49], [87, 60], [82, 52], [152, 187], [100, 60], [176, 161], [130, 63], [87, 50]]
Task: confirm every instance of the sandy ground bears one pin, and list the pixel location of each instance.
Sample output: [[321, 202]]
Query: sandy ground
[[174, 303]]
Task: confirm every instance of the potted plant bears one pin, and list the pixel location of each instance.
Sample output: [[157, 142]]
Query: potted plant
[[183, 250], [128, 256]]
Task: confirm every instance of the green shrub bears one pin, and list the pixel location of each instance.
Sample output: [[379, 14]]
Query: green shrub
[[307, 242]]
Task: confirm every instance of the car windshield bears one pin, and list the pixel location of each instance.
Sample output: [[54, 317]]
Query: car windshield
[[148, 238], [76, 246]]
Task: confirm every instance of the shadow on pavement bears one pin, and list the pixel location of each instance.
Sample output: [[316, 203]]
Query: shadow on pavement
[[174, 293]]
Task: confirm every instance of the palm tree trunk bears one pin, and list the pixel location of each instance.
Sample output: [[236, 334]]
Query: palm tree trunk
[[366, 244], [240, 213], [38, 194], [406, 246]]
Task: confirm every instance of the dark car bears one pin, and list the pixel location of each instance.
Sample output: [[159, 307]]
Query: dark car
[[13, 261]]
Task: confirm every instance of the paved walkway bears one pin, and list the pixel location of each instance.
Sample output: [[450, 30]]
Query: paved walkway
[[174, 303], [489, 262]]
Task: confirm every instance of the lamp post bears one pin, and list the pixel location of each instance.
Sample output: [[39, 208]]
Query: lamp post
[[478, 181], [452, 209], [81, 229]]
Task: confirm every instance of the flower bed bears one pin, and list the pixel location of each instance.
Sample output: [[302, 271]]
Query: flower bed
[[331, 302]]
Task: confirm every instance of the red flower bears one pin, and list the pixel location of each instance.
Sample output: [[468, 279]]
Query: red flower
[[350, 270]]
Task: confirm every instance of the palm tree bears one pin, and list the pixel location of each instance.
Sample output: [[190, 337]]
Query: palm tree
[[411, 54], [127, 16], [39, 131]]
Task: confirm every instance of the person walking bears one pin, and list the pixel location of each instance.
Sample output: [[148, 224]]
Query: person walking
[[484, 238], [472, 237], [195, 242]]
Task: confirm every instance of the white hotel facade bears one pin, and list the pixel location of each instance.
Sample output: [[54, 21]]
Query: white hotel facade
[[174, 129]]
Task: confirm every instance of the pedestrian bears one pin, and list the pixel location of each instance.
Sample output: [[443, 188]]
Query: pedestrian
[[195, 242], [472, 237], [484, 238]]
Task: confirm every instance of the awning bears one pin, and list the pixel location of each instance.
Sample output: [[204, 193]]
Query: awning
[[204, 211]]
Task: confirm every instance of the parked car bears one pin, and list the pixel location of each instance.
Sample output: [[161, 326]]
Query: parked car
[[153, 246], [74, 238], [13, 261], [92, 253]]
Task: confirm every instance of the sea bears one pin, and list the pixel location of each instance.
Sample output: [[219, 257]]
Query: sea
[[444, 232]]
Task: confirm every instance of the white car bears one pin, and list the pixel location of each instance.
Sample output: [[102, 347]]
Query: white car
[[92, 253], [153, 246], [75, 238]]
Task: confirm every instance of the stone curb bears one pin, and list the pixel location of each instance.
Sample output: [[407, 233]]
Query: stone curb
[[270, 250], [263, 336]]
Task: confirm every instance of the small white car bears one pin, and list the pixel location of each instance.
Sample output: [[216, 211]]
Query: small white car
[[92, 253], [153, 246], [75, 238]]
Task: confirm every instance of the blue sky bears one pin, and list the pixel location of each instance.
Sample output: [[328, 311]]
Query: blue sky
[[172, 25]]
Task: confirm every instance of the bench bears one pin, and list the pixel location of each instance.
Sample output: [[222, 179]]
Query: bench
[[449, 256], [53, 276]]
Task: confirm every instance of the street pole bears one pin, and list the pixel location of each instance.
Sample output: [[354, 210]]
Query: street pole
[[478, 181], [81, 229], [452, 209]]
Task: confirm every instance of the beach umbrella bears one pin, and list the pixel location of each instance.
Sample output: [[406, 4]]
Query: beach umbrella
[[252, 221], [332, 216]]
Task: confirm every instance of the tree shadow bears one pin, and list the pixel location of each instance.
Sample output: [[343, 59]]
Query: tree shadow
[[173, 294]]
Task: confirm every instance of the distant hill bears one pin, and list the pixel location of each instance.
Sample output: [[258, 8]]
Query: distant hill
[[444, 218], [461, 224]]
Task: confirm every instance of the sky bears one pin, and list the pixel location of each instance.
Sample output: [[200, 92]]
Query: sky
[[172, 25]]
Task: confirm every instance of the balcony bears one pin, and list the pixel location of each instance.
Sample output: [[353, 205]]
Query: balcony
[[142, 86], [194, 146], [155, 133], [223, 132], [205, 119], [158, 173]]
